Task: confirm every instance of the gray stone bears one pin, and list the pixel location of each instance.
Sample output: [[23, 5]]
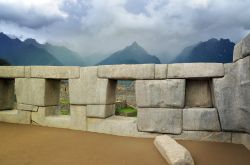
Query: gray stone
[[232, 95], [241, 138], [15, 116], [162, 120], [11, 71], [55, 72], [100, 111], [195, 70], [201, 119], [160, 93], [117, 125], [78, 117], [27, 107], [142, 71], [40, 92], [246, 46], [27, 71], [173, 152], [237, 54], [89, 89], [161, 71], [7, 94], [205, 136], [198, 94]]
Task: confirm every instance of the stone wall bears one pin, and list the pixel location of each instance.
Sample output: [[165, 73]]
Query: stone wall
[[200, 101]]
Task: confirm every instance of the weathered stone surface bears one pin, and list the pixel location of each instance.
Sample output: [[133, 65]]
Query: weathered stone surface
[[11, 71], [89, 89], [40, 92], [201, 119], [15, 116], [100, 111], [55, 72], [205, 136], [161, 71], [160, 93], [232, 95], [78, 117], [142, 71], [27, 71], [195, 70], [241, 138], [27, 107], [173, 152], [117, 125], [162, 120], [7, 94], [198, 94], [246, 46], [46, 116], [237, 54]]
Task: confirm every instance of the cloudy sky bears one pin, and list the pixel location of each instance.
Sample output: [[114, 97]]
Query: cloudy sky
[[104, 26]]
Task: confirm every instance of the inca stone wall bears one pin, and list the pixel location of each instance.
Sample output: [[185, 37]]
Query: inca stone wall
[[200, 101]]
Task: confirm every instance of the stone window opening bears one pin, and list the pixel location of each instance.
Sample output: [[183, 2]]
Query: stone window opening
[[198, 93], [63, 107], [125, 98], [7, 94]]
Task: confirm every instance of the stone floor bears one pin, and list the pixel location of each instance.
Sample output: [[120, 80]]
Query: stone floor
[[34, 145]]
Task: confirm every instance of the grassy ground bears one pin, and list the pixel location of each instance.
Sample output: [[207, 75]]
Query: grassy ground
[[128, 111]]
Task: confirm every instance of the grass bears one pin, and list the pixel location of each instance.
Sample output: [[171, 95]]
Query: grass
[[64, 101], [128, 111], [65, 112]]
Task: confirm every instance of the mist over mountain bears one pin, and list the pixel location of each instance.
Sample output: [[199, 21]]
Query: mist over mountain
[[62, 54], [213, 50], [30, 52], [133, 54]]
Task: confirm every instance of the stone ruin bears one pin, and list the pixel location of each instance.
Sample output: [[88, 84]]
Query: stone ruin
[[198, 101]]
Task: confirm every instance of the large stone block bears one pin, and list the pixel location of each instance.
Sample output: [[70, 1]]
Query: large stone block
[[45, 116], [195, 70], [40, 92], [205, 136], [246, 46], [198, 94], [161, 71], [237, 54], [241, 138], [162, 120], [55, 72], [7, 94], [78, 117], [15, 116], [201, 119], [27, 107], [100, 111], [232, 95], [173, 152], [117, 125], [89, 89], [11, 71], [160, 93], [142, 71]]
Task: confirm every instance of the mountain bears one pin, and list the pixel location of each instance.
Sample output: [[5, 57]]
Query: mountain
[[17, 52], [133, 54], [64, 55], [4, 62], [213, 50]]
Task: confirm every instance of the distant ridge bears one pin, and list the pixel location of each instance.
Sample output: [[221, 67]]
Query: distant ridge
[[132, 54], [213, 50]]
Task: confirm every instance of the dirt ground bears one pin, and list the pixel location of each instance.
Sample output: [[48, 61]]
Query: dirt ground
[[34, 145]]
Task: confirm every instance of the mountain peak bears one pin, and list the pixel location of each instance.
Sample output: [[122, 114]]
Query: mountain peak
[[31, 41]]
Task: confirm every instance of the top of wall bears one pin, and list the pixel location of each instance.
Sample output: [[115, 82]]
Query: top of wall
[[129, 72]]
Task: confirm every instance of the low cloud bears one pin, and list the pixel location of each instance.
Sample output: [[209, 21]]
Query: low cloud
[[102, 27]]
